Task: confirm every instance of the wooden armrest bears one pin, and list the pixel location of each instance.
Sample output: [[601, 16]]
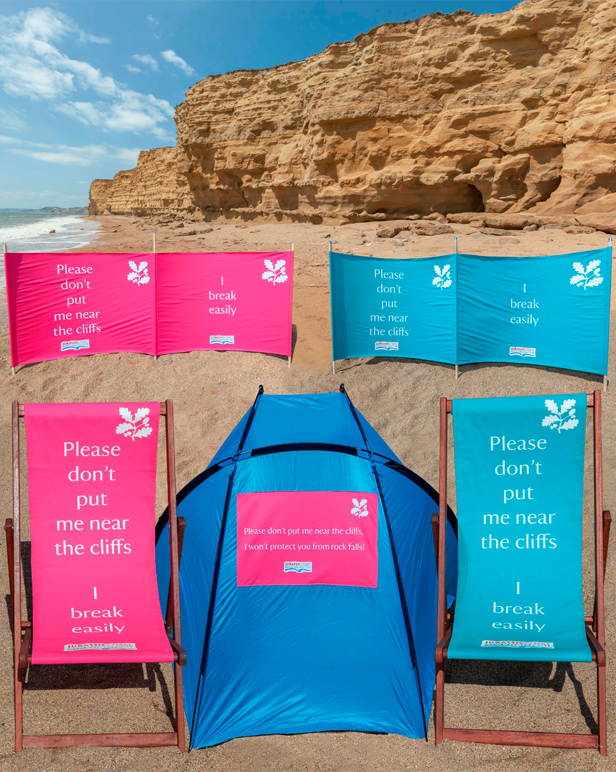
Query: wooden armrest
[[597, 648], [180, 654], [24, 650], [442, 645]]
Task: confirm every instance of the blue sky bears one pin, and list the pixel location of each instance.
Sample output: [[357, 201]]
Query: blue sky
[[86, 84]]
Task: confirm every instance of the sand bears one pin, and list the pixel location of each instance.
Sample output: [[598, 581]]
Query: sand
[[211, 391]]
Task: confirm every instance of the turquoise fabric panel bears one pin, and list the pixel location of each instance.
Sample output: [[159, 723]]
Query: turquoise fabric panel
[[552, 311], [519, 478], [393, 308]]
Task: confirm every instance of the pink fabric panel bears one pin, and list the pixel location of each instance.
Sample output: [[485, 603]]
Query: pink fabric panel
[[238, 301], [66, 305], [92, 494], [307, 537]]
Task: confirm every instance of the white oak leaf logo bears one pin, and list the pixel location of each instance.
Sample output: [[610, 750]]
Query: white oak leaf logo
[[139, 273], [563, 418], [137, 426], [443, 277], [587, 277], [360, 508], [275, 273]]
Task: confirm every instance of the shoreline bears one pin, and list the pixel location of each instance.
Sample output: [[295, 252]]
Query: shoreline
[[122, 233]]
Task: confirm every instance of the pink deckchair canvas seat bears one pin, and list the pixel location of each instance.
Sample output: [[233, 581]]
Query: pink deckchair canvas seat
[[92, 500]]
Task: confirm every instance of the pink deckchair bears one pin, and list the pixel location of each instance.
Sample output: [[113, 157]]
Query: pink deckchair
[[165, 643]]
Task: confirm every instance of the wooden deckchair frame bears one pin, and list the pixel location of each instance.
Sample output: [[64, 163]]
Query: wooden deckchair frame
[[22, 630], [595, 624]]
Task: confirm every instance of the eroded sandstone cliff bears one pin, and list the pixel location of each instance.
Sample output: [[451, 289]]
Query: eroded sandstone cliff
[[448, 113]]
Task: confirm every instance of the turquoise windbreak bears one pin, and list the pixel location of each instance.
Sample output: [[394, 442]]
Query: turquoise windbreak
[[519, 465], [458, 309]]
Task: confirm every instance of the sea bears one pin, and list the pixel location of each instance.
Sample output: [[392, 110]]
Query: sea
[[29, 232]]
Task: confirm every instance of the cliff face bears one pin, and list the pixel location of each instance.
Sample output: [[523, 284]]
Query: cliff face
[[153, 187], [461, 113]]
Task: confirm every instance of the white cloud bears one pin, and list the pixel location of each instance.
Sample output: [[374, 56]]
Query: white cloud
[[132, 68], [133, 112], [68, 155], [32, 66], [84, 156], [153, 24], [11, 120], [146, 59], [171, 57]]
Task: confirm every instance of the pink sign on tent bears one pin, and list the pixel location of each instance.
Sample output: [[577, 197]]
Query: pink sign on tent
[[307, 537], [219, 301], [66, 305], [92, 495]]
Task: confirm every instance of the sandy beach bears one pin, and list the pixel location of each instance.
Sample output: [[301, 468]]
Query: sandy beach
[[211, 391]]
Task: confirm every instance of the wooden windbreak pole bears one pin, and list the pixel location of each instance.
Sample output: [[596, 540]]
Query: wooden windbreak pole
[[605, 379], [17, 581], [292, 250], [455, 239], [5, 250], [156, 280], [333, 360]]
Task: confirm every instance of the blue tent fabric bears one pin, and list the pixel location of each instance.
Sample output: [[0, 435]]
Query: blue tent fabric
[[291, 659]]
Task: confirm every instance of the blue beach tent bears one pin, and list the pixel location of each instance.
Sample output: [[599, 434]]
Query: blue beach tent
[[276, 659]]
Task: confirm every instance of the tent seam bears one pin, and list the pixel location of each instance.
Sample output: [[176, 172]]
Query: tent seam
[[216, 574], [401, 593]]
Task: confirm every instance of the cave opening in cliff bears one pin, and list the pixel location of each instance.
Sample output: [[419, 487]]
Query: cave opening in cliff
[[444, 198]]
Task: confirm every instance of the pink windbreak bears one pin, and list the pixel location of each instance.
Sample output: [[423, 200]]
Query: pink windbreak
[[65, 305], [307, 537], [92, 494], [238, 301]]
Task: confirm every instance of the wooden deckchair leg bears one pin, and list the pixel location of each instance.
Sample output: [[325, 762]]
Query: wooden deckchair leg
[[601, 708], [179, 706], [8, 530], [439, 703], [19, 731], [607, 522], [169, 611], [178, 674], [601, 681], [175, 571], [439, 710]]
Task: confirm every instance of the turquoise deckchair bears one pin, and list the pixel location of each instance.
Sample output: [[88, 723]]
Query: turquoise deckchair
[[482, 626]]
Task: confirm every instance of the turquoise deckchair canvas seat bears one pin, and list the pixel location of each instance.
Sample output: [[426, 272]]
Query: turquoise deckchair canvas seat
[[520, 494]]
